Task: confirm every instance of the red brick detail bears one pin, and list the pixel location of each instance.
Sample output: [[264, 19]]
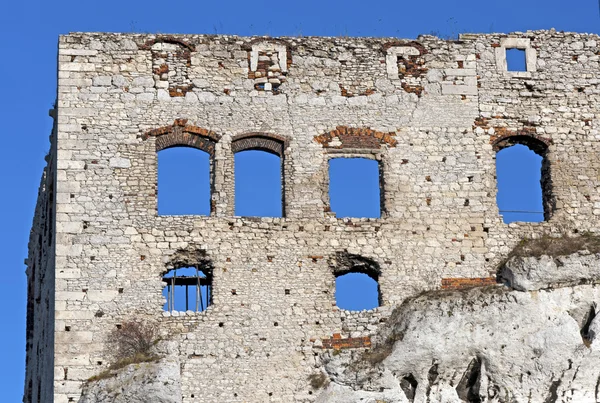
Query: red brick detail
[[182, 134], [410, 68], [338, 343], [180, 90], [263, 67], [456, 283], [413, 89], [167, 39], [268, 142], [348, 94], [356, 137]]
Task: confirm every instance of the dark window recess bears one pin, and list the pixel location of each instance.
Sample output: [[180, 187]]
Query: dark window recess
[[515, 60], [187, 289], [258, 184], [355, 187], [183, 181]]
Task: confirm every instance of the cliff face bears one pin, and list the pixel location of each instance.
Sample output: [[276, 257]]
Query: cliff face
[[495, 344]]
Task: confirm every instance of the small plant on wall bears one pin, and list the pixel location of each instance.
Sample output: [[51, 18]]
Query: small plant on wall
[[131, 342], [131, 339], [318, 380]]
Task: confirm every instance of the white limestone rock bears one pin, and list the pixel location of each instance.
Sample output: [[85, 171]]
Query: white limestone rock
[[488, 344], [156, 382], [531, 273]]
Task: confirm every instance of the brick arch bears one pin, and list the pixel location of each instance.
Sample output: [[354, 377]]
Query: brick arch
[[355, 137], [535, 143], [271, 143], [180, 134], [187, 258], [343, 263]]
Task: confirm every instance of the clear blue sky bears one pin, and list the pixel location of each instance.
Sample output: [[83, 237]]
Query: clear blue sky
[[29, 31]]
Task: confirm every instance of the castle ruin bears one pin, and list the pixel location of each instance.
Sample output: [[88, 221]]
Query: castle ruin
[[432, 113]]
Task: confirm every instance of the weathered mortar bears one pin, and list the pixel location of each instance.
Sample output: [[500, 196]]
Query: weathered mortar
[[431, 111]]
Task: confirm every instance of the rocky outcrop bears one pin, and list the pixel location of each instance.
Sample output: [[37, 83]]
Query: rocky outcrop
[[538, 342], [156, 382], [534, 273]]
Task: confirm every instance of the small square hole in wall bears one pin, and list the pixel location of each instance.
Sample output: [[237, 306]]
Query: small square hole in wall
[[515, 60]]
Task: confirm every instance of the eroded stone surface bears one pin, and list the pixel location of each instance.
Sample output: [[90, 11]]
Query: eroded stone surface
[[490, 344], [533, 273]]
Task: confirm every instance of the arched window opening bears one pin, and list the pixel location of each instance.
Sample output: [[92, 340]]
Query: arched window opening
[[183, 181], [523, 178], [355, 187], [356, 282], [187, 289], [258, 184], [356, 292]]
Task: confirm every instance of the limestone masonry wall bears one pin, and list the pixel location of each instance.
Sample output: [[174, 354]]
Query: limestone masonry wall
[[433, 113]]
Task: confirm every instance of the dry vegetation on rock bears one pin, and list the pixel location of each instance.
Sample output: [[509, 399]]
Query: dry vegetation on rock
[[556, 245], [131, 343]]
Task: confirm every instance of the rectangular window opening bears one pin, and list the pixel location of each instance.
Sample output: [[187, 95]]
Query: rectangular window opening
[[516, 60], [354, 187], [258, 184], [184, 186]]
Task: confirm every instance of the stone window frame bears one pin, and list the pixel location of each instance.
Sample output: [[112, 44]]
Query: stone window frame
[[267, 45], [284, 56], [181, 134], [184, 52], [540, 146], [372, 154], [344, 263], [392, 53], [271, 143], [516, 43]]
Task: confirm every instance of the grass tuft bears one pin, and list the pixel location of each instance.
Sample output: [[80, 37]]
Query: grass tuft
[[318, 380], [552, 245], [122, 363]]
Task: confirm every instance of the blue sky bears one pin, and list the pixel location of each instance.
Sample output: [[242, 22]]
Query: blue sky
[[29, 31]]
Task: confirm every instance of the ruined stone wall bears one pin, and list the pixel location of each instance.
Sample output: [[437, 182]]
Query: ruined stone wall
[[432, 112], [41, 273]]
